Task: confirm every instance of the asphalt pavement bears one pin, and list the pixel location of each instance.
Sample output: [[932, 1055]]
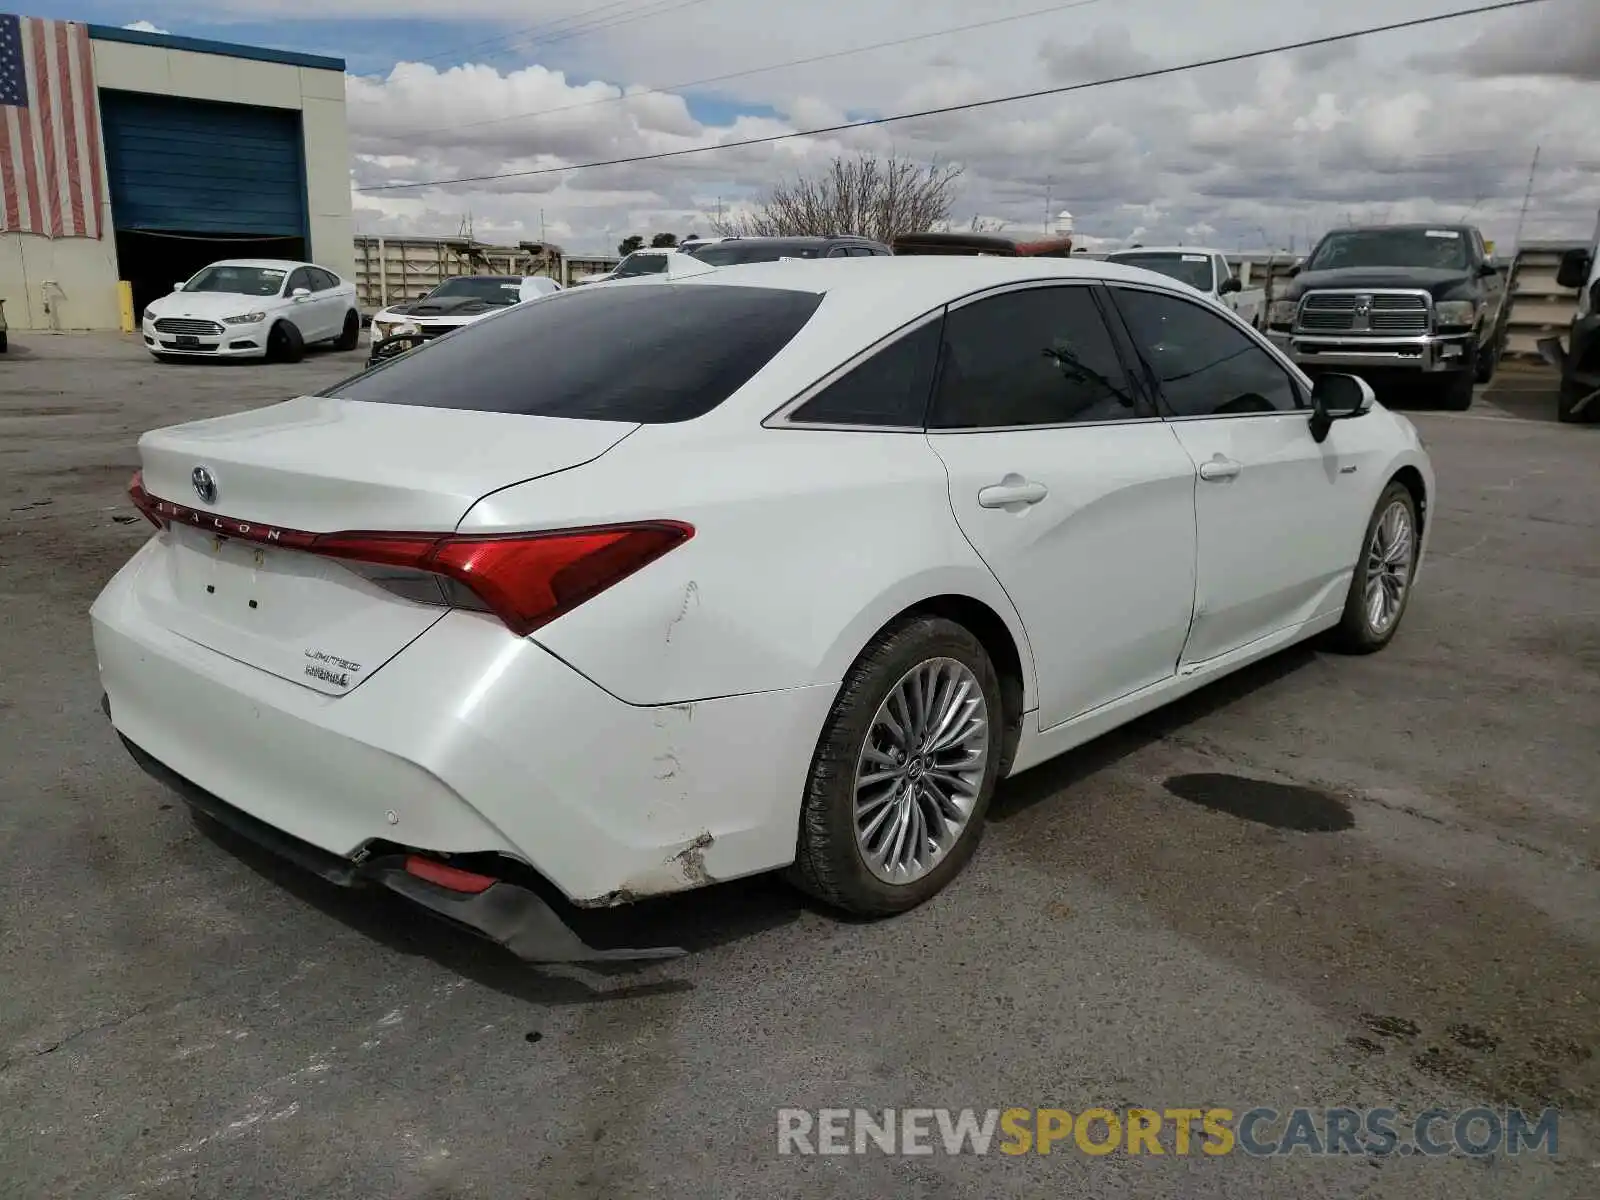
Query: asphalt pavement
[[1356, 882]]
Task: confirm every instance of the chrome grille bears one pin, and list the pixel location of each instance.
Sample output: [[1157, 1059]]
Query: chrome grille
[[1390, 313], [189, 326]]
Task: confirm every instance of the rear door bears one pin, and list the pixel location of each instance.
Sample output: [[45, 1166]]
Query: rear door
[[1279, 516], [1076, 494]]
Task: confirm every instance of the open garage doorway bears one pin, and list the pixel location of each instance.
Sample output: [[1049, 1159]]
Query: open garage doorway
[[153, 262]]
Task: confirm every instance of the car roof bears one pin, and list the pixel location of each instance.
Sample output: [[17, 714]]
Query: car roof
[[867, 299], [1207, 250], [273, 263], [1408, 227]]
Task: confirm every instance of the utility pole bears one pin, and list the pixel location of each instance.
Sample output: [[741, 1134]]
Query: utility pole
[[1527, 197], [1049, 183]]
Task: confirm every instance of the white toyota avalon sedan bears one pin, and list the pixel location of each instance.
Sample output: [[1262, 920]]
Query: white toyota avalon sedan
[[253, 308], [782, 566]]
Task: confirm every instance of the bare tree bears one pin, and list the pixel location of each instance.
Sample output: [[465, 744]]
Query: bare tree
[[876, 197]]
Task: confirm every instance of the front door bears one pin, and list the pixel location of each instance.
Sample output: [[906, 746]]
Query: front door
[[1078, 497], [1279, 517]]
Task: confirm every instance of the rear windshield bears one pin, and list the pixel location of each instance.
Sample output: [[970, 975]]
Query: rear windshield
[[1193, 269], [641, 264], [725, 254], [648, 352]]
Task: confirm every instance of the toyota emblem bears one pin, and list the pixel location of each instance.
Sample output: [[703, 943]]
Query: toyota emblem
[[204, 485]]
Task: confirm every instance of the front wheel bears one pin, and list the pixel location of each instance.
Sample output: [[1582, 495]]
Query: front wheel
[[1456, 392], [284, 343], [904, 771], [1572, 395], [1381, 585], [349, 337]]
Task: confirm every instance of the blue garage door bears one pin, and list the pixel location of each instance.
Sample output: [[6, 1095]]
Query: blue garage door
[[191, 166]]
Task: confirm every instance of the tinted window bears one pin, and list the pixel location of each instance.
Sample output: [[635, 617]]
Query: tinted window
[[1444, 249], [1041, 356], [1193, 269], [655, 353], [300, 279], [641, 264], [862, 252], [491, 289], [726, 254], [890, 388], [329, 279], [1206, 365]]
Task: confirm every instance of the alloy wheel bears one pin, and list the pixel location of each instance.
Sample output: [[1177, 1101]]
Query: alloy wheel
[[920, 770]]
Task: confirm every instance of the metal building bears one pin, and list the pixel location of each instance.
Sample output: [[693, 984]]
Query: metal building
[[137, 158]]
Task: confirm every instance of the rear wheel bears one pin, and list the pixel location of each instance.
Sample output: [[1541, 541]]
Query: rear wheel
[[1456, 392], [904, 771], [1381, 586], [1567, 411], [284, 343], [350, 337]]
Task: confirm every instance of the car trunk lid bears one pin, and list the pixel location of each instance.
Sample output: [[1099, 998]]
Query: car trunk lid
[[240, 495]]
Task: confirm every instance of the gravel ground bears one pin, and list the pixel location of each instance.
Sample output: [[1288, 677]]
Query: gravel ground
[[1408, 918]]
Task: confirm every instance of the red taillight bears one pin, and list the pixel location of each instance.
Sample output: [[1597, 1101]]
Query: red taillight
[[142, 501], [525, 579], [447, 876]]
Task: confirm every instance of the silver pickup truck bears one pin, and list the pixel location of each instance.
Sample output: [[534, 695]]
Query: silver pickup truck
[[1205, 270]]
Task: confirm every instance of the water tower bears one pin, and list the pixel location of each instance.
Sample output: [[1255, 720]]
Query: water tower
[[1063, 224]]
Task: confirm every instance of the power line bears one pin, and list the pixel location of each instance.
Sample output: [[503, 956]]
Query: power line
[[550, 32], [671, 88], [945, 110]]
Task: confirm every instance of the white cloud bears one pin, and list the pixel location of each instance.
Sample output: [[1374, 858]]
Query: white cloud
[[145, 27], [1427, 125]]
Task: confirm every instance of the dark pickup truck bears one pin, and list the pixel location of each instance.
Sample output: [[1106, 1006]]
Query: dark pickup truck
[[1398, 304], [1579, 360]]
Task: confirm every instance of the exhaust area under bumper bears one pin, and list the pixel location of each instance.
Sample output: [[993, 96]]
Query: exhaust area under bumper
[[504, 912]]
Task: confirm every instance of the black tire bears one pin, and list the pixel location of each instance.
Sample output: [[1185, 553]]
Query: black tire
[[1488, 360], [350, 338], [284, 343], [828, 863], [3, 346], [1567, 403], [1355, 633], [1455, 392]]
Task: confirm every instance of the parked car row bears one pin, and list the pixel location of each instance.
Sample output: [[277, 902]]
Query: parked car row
[[1407, 304]]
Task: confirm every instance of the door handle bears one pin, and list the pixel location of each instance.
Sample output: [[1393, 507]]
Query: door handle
[[1013, 489], [1219, 468]]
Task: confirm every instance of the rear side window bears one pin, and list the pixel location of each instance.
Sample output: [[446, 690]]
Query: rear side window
[[652, 353], [727, 254], [889, 389]]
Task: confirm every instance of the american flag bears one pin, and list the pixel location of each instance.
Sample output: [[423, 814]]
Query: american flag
[[51, 178]]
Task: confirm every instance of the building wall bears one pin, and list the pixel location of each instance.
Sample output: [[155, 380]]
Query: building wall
[[71, 283]]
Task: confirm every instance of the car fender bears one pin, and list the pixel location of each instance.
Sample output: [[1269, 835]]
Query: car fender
[[806, 543]]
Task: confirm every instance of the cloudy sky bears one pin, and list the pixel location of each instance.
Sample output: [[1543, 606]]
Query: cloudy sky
[[1435, 123]]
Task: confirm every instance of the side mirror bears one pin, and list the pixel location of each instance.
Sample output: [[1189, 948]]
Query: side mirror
[[178, 287], [299, 293], [1337, 397], [1574, 269], [1487, 269], [1229, 285]]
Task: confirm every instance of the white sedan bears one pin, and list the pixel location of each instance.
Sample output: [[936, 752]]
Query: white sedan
[[779, 566], [253, 308], [461, 300]]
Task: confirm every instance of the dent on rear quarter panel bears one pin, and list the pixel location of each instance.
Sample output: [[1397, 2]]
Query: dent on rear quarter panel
[[801, 540]]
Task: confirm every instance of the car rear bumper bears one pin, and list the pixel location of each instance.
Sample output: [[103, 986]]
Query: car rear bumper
[[470, 742], [505, 912], [1428, 354]]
